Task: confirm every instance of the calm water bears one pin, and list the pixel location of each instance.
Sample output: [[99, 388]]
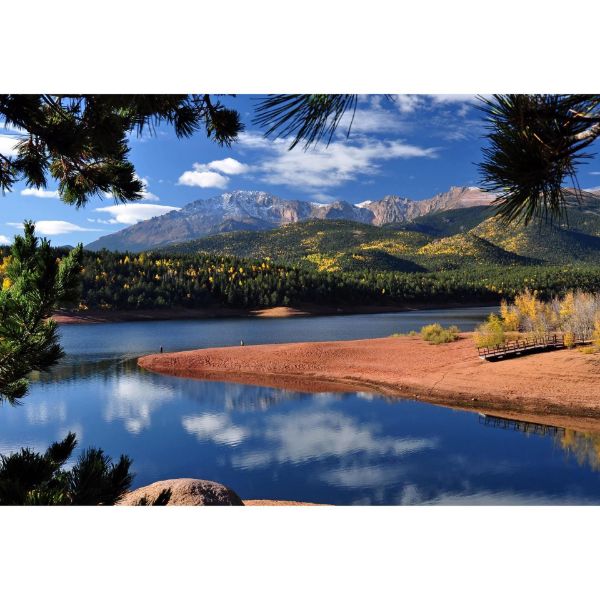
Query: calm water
[[352, 448]]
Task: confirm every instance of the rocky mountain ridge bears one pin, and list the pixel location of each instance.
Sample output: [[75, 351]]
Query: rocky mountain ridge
[[258, 211]]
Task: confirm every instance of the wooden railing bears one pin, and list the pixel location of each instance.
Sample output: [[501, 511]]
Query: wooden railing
[[553, 341]]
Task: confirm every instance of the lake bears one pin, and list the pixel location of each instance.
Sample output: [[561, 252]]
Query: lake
[[338, 448]]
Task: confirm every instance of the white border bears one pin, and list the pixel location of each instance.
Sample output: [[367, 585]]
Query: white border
[[236, 46], [242, 46]]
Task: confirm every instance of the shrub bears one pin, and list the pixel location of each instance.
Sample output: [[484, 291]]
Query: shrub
[[436, 334], [569, 339], [490, 333]]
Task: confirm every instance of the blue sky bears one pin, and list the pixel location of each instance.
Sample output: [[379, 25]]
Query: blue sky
[[415, 146]]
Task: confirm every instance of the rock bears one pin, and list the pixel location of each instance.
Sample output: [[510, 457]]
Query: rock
[[185, 492]]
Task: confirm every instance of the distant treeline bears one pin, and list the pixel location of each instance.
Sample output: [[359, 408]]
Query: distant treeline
[[155, 280]]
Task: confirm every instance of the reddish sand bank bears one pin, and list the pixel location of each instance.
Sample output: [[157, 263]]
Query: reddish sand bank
[[559, 388]]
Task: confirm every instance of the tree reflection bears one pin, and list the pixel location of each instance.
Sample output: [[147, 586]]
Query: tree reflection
[[583, 446]]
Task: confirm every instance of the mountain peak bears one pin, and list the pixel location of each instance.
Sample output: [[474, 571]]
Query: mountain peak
[[257, 210]]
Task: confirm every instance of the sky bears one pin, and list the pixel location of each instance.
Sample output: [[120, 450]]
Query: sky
[[409, 145]]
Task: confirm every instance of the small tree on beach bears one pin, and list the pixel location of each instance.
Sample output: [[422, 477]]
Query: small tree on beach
[[490, 333]]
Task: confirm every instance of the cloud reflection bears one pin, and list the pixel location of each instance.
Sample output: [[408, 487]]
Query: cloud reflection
[[318, 435], [133, 401], [217, 428], [44, 412]]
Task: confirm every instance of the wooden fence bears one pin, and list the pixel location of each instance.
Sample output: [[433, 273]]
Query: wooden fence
[[527, 345]]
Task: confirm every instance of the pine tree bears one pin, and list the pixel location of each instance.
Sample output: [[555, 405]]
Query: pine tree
[[82, 140], [35, 280]]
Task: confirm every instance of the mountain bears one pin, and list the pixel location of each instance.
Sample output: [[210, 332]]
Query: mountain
[[448, 222], [235, 211], [395, 209], [344, 245], [449, 239], [577, 240], [260, 211]]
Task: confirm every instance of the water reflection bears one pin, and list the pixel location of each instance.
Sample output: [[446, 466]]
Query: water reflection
[[311, 436], [583, 446], [217, 428], [133, 401], [350, 448], [45, 412]]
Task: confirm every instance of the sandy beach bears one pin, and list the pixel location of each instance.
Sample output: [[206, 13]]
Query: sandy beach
[[558, 388]]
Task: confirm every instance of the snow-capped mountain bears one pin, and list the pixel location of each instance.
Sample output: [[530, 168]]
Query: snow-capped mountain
[[250, 210]]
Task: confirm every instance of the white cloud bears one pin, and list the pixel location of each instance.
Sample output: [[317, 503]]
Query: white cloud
[[130, 214], [4, 240], [8, 145], [324, 198], [40, 193], [203, 179], [453, 98], [369, 120], [326, 166], [592, 189], [206, 175], [594, 172], [146, 195], [407, 103], [229, 166], [54, 227]]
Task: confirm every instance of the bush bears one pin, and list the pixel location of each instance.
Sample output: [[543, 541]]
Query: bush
[[436, 334], [569, 339], [490, 333]]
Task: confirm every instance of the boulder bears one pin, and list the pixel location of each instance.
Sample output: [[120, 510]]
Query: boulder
[[185, 492]]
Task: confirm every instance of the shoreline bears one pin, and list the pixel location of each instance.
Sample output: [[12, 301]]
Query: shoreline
[[74, 317], [556, 388]]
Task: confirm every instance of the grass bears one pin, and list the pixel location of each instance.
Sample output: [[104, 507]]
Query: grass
[[409, 334]]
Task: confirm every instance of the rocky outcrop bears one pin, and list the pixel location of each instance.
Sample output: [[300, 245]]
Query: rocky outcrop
[[185, 492]]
